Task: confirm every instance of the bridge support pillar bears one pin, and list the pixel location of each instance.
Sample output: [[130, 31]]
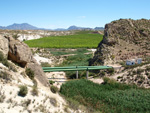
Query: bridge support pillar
[[76, 74], [87, 73]]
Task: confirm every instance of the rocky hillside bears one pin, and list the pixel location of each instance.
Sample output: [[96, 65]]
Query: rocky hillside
[[24, 87], [33, 34], [123, 39]]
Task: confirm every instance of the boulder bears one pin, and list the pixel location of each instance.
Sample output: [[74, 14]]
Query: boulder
[[4, 46], [21, 54]]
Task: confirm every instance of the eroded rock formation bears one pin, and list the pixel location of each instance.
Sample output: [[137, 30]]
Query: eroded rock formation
[[123, 39], [21, 54]]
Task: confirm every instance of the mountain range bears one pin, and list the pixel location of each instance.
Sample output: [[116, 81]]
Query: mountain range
[[26, 26]]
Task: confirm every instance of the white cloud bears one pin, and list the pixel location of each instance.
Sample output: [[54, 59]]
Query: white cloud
[[81, 17]]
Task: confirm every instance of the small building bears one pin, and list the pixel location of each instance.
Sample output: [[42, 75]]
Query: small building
[[131, 62], [139, 60], [134, 61]]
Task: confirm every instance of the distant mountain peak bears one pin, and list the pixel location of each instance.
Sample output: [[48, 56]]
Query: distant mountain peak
[[26, 26], [23, 26], [73, 27]]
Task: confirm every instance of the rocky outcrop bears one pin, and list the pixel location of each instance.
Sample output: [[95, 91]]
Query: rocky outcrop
[[39, 74], [4, 46], [123, 39], [21, 54]]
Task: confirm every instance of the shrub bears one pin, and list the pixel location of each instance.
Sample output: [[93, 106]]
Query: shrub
[[34, 82], [54, 89], [90, 74], [72, 75], [5, 62], [134, 72], [30, 73], [102, 73], [4, 75], [119, 77], [147, 73], [2, 96], [34, 91], [45, 64], [26, 103], [147, 68], [106, 79], [53, 102], [23, 91], [111, 71], [122, 64], [139, 71], [51, 82], [73, 104], [11, 67], [113, 57], [1, 56], [15, 36]]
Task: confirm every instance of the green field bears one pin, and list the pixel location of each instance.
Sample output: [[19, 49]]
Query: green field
[[110, 97], [78, 40]]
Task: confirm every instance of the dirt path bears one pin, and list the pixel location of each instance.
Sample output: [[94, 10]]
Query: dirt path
[[100, 80]]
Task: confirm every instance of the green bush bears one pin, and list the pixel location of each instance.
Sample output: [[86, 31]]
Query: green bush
[[1, 56], [23, 91], [119, 77], [102, 73], [4, 75], [139, 71], [106, 79], [110, 71], [5, 62], [30, 73], [34, 88], [51, 82], [81, 74], [54, 89], [34, 91], [53, 101], [147, 68], [15, 36], [11, 67], [45, 64]]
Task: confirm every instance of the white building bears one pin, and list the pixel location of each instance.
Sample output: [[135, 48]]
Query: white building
[[134, 61]]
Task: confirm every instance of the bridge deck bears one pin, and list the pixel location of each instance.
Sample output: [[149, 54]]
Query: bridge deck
[[74, 68]]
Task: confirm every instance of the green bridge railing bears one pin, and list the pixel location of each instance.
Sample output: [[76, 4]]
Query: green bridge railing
[[75, 68]]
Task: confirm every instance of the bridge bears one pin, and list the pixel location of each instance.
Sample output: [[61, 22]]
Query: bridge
[[75, 68]]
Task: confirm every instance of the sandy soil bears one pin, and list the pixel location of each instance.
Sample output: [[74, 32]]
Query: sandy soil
[[42, 59], [46, 101]]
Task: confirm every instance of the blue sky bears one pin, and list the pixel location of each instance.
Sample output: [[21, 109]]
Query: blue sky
[[64, 13]]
